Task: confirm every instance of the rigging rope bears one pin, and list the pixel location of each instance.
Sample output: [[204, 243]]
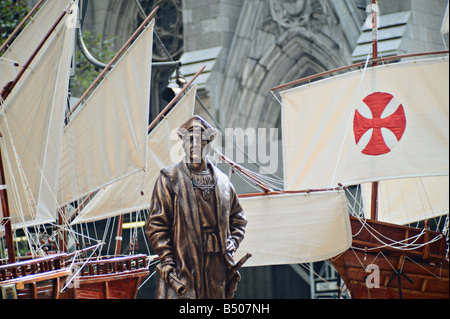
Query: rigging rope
[[350, 119], [74, 275], [407, 246]]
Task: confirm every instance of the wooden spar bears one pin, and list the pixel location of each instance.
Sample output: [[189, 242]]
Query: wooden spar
[[75, 212], [175, 99], [374, 32], [6, 215], [17, 29], [10, 85], [3, 192], [113, 60], [318, 75], [260, 184], [271, 193], [374, 203], [63, 234], [119, 235], [357, 65]]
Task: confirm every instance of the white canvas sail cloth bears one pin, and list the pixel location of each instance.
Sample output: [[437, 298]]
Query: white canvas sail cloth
[[32, 129], [164, 149], [29, 38], [409, 200], [295, 228], [445, 21], [323, 144], [106, 138]]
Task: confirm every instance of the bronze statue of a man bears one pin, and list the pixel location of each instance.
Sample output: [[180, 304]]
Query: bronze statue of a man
[[195, 222]]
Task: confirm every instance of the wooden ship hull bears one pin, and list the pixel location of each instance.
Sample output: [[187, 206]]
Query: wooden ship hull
[[108, 278], [421, 273], [40, 278]]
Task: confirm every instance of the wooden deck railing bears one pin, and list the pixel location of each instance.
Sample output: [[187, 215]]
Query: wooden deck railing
[[109, 265], [32, 266]]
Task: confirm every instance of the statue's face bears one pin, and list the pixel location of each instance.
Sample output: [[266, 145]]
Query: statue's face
[[195, 146]]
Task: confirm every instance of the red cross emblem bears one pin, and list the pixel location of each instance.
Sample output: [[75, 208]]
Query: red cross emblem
[[387, 123]]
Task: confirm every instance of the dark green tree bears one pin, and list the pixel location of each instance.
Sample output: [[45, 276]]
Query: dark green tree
[[11, 14], [86, 72]]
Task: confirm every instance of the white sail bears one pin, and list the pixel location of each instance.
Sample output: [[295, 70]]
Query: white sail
[[444, 26], [330, 135], [106, 139], [27, 40], [134, 192], [406, 201], [31, 124], [295, 228]]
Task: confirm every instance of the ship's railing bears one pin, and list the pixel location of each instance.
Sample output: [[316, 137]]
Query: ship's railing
[[32, 266], [109, 265]]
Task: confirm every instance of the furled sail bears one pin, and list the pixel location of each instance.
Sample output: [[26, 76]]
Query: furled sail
[[409, 200], [106, 138], [27, 40], [31, 125], [295, 228], [381, 123], [134, 192]]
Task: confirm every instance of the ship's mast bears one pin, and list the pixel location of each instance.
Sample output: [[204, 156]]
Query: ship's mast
[[6, 215], [374, 31], [374, 205]]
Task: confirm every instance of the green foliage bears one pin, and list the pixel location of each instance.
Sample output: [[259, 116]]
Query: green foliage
[[11, 14], [86, 72]]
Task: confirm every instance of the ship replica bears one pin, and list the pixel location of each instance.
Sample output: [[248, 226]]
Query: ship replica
[[55, 158], [380, 134], [365, 188], [348, 141]]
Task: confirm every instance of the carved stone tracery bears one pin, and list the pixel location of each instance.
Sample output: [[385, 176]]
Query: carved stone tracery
[[168, 26], [294, 39], [305, 17]]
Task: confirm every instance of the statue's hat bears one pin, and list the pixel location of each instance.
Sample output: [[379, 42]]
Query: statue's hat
[[209, 132]]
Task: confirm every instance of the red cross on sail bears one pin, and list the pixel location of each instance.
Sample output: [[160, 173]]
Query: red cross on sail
[[387, 115]]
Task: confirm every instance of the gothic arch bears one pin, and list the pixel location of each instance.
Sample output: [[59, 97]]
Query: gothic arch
[[124, 16], [273, 56], [306, 58], [121, 20]]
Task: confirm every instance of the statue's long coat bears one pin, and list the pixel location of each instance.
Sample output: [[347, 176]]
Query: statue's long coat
[[173, 226]]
